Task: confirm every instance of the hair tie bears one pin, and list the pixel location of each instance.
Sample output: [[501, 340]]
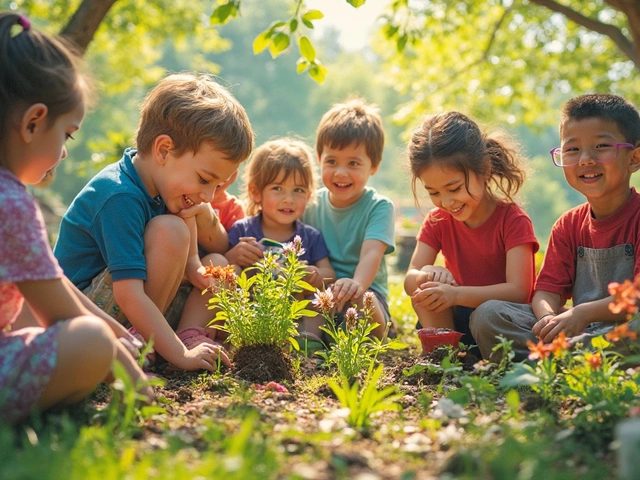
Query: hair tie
[[24, 22]]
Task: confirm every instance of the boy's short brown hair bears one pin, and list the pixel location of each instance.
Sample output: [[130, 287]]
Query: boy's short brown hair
[[352, 122], [191, 110]]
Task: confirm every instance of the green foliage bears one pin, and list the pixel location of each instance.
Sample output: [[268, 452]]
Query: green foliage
[[65, 451], [277, 37], [353, 349], [262, 310], [506, 62], [362, 403]]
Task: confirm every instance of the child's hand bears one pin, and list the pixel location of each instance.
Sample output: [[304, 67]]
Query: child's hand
[[196, 211], [434, 297], [344, 290], [247, 252], [313, 276], [204, 356], [433, 273], [569, 322]]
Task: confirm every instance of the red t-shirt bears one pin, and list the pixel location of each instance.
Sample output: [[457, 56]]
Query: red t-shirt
[[577, 228], [478, 256], [229, 210]]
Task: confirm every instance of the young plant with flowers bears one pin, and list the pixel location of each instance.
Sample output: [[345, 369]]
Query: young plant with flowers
[[260, 310], [353, 349]]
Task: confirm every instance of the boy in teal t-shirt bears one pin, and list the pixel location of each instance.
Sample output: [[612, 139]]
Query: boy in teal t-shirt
[[357, 223]]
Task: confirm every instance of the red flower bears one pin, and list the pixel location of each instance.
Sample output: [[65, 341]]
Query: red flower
[[225, 277], [620, 332], [559, 344], [539, 350], [626, 296], [594, 359]]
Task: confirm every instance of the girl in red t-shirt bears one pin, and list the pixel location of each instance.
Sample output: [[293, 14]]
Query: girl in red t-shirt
[[487, 241]]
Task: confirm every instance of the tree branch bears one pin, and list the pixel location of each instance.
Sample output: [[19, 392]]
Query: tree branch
[[614, 33], [85, 22]]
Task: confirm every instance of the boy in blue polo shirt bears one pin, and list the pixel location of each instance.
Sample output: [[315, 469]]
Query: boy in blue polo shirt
[[129, 237]]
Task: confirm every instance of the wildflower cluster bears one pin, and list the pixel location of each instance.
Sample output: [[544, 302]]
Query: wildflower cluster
[[626, 296], [354, 348], [541, 350], [261, 309]]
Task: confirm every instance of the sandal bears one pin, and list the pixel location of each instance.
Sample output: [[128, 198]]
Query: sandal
[[150, 358], [194, 336]]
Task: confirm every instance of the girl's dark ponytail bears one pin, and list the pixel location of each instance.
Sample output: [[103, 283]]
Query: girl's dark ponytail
[[506, 173]]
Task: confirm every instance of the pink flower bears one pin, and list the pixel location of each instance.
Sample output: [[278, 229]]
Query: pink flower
[[351, 318], [276, 387], [367, 299], [324, 300], [295, 246]]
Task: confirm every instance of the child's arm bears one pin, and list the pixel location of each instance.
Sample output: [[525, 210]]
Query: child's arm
[[321, 273], [149, 321], [571, 321], [421, 269], [194, 270], [437, 297], [211, 235], [371, 253]]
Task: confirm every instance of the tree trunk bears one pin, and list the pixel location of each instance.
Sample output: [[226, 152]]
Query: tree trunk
[[85, 22]]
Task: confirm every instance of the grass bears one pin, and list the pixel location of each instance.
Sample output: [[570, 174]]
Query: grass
[[214, 426]]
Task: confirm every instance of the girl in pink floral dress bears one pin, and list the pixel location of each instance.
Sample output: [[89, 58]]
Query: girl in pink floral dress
[[42, 97]]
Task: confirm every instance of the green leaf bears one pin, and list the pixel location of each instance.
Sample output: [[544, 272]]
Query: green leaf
[[396, 345], [294, 344], [599, 342], [307, 23], [356, 3], [401, 42], [293, 25], [306, 50], [459, 396], [318, 72], [306, 286], [223, 14], [279, 44], [261, 42], [312, 15], [513, 400], [301, 65], [408, 372], [521, 374]]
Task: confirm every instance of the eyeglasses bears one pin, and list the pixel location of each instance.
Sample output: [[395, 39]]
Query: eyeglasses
[[601, 153]]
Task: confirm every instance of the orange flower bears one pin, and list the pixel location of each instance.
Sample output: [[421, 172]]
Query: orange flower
[[559, 344], [539, 350], [626, 295], [594, 359], [225, 277], [620, 332]]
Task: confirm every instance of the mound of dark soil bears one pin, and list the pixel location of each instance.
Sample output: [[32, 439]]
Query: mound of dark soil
[[263, 363]]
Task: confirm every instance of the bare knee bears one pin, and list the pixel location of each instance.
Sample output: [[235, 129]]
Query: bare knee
[[89, 344], [168, 232], [217, 259]]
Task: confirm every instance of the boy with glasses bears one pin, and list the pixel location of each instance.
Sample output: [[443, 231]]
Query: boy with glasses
[[591, 245]]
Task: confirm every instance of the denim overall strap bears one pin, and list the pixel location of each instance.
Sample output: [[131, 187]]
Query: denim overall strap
[[595, 269]]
